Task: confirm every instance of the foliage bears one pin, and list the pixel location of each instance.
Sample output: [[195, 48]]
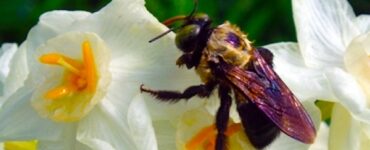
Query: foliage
[[264, 21]]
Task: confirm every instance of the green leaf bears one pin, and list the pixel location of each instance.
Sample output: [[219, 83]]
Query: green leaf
[[326, 109]]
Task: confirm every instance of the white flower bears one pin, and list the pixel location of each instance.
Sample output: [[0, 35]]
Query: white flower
[[82, 74], [332, 64]]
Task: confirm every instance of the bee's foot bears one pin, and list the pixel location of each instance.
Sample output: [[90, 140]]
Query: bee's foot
[[142, 89], [179, 65]]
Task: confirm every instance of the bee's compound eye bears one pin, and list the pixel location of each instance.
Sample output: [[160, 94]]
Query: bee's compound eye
[[201, 17], [186, 37]]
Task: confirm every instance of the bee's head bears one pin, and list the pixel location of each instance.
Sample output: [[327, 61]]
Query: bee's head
[[189, 33]]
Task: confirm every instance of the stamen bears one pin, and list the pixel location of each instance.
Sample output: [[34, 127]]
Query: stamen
[[68, 66], [88, 58], [207, 137], [233, 128], [211, 144], [201, 137], [58, 59], [81, 83], [50, 58], [58, 92]]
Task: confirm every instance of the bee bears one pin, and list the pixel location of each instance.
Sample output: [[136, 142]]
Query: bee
[[224, 58]]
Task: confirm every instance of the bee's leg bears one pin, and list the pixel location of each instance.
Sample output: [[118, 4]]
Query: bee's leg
[[222, 117], [267, 55], [203, 90], [185, 59]]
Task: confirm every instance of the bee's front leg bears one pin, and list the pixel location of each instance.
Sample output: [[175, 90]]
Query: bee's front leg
[[203, 90], [185, 59]]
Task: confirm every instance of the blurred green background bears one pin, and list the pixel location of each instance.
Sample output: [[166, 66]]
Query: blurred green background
[[265, 21]]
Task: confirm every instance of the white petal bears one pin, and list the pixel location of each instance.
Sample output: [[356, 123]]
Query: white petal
[[165, 134], [53, 19], [51, 24], [347, 91], [67, 141], [364, 117], [365, 141], [344, 130], [17, 74], [7, 52], [324, 29], [61, 145], [363, 23], [306, 83], [47, 145], [284, 142], [356, 61], [314, 112], [19, 121], [321, 141], [140, 124], [105, 128]]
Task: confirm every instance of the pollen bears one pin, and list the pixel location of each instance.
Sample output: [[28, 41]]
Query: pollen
[[80, 76], [206, 137]]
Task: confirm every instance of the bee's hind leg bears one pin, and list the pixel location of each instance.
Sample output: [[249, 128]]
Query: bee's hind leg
[[203, 90], [222, 117]]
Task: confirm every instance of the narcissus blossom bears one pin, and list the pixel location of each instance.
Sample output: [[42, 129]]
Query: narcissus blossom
[[74, 83], [331, 63]]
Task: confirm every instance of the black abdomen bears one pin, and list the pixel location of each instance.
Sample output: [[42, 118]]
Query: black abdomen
[[260, 130]]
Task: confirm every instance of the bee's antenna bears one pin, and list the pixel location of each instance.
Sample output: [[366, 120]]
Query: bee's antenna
[[194, 9], [161, 35], [174, 19], [170, 21]]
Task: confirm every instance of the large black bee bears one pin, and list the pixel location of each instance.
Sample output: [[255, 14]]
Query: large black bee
[[223, 56]]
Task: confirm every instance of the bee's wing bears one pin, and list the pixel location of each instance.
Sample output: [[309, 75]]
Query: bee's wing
[[265, 89]]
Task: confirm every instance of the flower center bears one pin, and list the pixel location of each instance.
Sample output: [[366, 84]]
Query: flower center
[[71, 76], [79, 76], [206, 137]]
